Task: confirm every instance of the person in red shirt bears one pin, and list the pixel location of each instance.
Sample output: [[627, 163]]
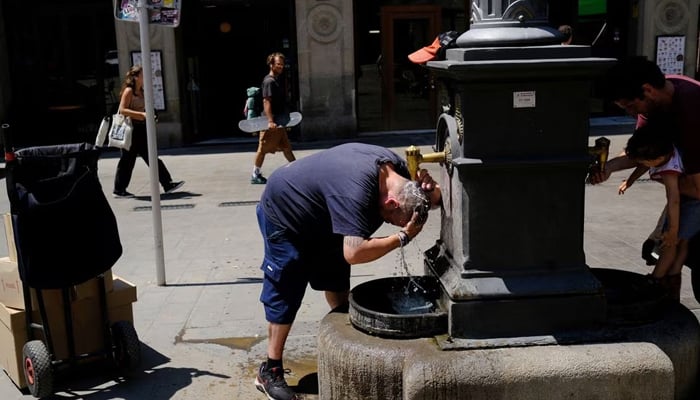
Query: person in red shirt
[[638, 86]]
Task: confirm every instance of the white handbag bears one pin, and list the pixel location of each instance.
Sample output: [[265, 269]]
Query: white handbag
[[103, 130], [120, 132]]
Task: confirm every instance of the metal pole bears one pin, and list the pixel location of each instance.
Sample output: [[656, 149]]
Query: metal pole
[[152, 141]]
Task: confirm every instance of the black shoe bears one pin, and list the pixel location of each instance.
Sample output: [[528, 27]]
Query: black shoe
[[122, 194], [272, 383], [173, 186], [647, 249]]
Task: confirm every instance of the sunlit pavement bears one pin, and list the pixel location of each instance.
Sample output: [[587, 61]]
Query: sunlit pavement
[[203, 333]]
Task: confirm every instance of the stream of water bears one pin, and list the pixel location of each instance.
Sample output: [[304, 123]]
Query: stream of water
[[411, 298]]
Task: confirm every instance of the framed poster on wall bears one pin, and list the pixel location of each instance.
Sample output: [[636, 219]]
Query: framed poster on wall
[[670, 53], [157, 69]]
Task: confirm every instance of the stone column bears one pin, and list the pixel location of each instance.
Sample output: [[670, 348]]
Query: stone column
[[4, 70], [169, 125], [326, 68]]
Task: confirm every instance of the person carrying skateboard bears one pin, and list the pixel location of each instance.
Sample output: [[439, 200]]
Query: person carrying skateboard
[[274, 138]]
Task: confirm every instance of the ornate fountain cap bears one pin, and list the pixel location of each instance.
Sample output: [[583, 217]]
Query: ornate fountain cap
[[522, 23]]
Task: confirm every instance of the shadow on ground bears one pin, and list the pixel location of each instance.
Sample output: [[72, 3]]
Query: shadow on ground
[[100, 381]]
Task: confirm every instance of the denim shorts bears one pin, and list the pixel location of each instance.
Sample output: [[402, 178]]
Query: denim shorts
[[288, 268], [689, 225]]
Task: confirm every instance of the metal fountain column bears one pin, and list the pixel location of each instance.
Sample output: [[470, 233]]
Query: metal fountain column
[[510, 257]]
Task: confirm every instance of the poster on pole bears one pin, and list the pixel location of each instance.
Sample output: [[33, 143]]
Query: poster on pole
[[160, 12], [157, 69], [670, 54]]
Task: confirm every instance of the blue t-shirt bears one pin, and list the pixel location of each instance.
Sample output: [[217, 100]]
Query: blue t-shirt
[[333, 192]]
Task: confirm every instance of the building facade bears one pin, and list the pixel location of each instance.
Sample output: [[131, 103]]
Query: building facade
[[62, 61]]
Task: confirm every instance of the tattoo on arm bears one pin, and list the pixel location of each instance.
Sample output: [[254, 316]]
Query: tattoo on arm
[[353, 241]]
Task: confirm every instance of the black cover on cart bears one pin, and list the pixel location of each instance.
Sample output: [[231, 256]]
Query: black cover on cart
[[65, 231]]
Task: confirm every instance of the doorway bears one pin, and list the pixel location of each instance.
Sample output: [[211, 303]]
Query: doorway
[[408, 101], [393, 93], [225, 48]]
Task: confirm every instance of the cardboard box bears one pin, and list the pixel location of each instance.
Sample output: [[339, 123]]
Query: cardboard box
[[88, 327], [11, 289], [10, 237], [84, 290], [87, 319], [13, 336]]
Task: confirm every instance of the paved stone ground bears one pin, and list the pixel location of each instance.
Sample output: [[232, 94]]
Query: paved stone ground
[[204, 334]]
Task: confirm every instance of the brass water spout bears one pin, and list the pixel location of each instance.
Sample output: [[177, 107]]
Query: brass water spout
[[414, 158], [600, 151]]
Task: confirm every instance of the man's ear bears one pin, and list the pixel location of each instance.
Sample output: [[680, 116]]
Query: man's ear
[[390, 203], [648, 90]]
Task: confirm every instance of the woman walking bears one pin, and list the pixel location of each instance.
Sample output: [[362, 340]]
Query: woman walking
[[132, 105]]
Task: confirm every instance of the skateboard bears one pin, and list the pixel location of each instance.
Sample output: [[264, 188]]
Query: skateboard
[[258, 124]]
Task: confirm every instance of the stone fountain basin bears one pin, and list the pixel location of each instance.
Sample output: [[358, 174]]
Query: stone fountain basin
[[384, 307]]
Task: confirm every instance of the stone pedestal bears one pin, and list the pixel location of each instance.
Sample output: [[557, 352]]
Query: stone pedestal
[[656, 361]]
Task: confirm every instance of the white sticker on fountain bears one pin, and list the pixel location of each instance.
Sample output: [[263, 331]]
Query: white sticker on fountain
[[524, 99]]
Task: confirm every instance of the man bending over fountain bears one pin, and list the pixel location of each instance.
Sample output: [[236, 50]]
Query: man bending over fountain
[[317, 216]]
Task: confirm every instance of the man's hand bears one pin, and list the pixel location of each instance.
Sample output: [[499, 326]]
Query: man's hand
[[426, 181], [669, 239], [415, 225], [430, 187], [595, 177]]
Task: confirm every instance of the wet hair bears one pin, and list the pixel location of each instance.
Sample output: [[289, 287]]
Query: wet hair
[[413, 198], [624, 80], [649, 142], [130, 78], [271, 58]]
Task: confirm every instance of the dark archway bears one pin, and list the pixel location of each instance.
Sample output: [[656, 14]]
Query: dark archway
[[225, 47]]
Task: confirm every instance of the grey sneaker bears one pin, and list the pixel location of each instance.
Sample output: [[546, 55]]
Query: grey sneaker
[[258, 180], [272, 383]]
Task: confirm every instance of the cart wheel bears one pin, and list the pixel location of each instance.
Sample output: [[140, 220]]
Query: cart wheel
[[127, 347], [37, 368]]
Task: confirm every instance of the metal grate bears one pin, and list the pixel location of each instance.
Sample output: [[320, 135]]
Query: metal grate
[[165, 207], [238, 203]]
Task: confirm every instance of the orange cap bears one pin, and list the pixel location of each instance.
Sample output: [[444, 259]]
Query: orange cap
[[425, 54]]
